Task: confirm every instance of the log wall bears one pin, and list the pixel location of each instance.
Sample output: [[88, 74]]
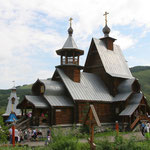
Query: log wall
[[64, 116], [107, 112]]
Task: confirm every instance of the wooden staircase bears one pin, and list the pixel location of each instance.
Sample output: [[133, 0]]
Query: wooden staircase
[[24, 124], [137, 120]]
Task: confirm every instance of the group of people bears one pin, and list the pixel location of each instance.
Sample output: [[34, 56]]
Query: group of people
[[26, 135], [145, 127], [18, 135]]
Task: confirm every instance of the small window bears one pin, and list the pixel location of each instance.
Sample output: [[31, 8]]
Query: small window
[[42, 89], [13, 100]]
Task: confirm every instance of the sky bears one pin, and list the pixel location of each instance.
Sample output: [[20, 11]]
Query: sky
[[32, 30]]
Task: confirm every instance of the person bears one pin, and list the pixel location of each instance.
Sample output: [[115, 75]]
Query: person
[[16, 135], [148, 126], [142, 128], [20, 136], [34, 134], [25, 135], [10, 135], [48, 136], [29, 134]]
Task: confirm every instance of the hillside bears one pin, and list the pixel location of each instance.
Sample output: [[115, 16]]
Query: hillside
[[140, 72], [21, 91]]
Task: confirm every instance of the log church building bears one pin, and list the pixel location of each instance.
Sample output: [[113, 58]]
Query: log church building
[[104, 81]]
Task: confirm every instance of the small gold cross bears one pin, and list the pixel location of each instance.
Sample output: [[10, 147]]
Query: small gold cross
[[70, 21], [106, 13]]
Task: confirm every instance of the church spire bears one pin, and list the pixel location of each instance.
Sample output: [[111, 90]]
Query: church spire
[[106, 29], [107, 39], [70, 30]]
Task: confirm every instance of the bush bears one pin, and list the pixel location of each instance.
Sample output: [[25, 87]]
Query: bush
[[3, 131], [66, 140], [120, 144]]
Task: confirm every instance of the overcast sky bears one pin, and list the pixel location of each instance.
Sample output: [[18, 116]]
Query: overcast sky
[[31, 31]]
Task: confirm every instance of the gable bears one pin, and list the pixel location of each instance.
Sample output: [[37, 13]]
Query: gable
[[113, 61], [93, 62]]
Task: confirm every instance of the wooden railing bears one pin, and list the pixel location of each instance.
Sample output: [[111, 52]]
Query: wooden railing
[[144, 117], [24, 124], [135, 122]]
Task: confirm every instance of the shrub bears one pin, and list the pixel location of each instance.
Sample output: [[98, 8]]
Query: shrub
[[3, 131]]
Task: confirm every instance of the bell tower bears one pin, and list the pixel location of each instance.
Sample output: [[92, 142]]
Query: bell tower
[[69, 57]]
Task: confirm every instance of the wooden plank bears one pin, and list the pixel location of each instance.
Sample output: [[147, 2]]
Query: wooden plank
[[95, 115]]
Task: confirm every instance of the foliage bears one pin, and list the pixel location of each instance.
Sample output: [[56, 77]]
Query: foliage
[[139, 68], [120, 144], [3, 131], [66, 140], [147, 136], [144, 80], [85, 129]]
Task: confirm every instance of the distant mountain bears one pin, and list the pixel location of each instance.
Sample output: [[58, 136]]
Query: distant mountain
[[139, 68], [140, 72]]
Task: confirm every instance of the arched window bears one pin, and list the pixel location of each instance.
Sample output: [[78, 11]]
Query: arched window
[[13, 100]]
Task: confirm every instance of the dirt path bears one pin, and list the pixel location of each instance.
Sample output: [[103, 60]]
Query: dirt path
[[137, 135]]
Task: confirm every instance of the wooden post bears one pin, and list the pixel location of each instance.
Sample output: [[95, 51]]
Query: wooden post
[[78, 60], [73, 57], [13, 135], [117, 128], [123, 123], [92, 145], [21, 112], [93, 119], [61, 61]]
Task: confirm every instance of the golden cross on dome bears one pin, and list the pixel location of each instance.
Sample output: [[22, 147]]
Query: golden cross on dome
[[70, 22], [106, 13]]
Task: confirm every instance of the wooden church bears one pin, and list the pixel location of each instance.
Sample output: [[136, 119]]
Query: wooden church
[[13, 101], [104, 81]]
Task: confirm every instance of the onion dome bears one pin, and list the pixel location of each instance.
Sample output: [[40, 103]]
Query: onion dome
[[106, 30]]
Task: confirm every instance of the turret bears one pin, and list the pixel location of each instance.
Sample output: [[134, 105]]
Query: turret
[[69, 57]]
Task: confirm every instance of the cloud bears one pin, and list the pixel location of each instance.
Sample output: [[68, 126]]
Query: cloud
[[31, 28], [133, 61], [125, 41]]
